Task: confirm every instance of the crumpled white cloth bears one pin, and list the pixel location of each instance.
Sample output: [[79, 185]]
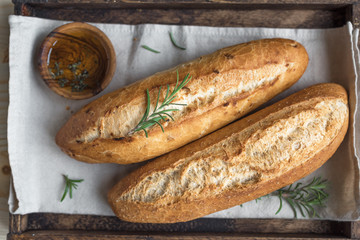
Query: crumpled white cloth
[[36, 113]]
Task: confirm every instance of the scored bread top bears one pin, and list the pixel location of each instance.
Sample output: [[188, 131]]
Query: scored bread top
[[225, 85], [245, 160]]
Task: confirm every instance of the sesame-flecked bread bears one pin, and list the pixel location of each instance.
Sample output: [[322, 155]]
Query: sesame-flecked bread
[[225, 85], [243, 161]]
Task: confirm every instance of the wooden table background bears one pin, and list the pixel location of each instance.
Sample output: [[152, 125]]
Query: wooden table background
[[6, 8]]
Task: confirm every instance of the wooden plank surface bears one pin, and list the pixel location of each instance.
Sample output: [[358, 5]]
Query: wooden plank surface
[[39, 221], [318, 13], [216, 14], [73, 226], [6, 8], [73, 235], [190, 2]]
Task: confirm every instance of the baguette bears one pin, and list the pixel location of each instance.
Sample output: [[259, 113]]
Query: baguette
[[243, 161], [225, 85]]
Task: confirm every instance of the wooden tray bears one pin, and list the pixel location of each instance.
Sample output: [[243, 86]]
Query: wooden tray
[[245, 13]]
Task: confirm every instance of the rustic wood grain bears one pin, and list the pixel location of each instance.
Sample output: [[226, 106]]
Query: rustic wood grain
[[40, 224], [355, 230], [235, 16], [92, 47], [6, 8], [40, 221], [75, 235], [192, 2], [245, 13], [355, 15]]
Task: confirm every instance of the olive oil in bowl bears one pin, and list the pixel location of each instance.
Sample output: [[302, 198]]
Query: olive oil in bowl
[[77, 60]]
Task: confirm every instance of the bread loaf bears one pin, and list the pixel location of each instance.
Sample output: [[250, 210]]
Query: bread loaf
[[225, 85], [243, 161]]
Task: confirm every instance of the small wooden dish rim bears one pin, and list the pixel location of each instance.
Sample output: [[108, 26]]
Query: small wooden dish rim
[[106, 44]]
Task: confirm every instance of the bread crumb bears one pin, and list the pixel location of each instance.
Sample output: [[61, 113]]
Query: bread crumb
[[68, 108]]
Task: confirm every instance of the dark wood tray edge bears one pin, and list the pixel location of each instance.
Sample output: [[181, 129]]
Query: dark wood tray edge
[[22, 227], [18, 228]]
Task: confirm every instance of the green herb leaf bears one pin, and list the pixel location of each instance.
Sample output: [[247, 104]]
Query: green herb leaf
[[304, 197], [51, 73], [73, 67], [62, 82], [58, 72], [77, 84], [69, 185], [159, 113], [280, 199], [174, 43], [150, 49]]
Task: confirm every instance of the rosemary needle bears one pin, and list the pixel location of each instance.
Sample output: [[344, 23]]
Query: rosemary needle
[[173, 42], [150, 49], [69, 185]]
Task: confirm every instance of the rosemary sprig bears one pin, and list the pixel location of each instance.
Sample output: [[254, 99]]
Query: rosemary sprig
[[159, 113], [62, 82], [73, 67], [174, 43], [77, 84], [58, 71], [303, 197], [150, 49], [69, 185]]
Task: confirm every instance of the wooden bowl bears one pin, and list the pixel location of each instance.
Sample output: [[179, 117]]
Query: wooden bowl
[[77, 60]]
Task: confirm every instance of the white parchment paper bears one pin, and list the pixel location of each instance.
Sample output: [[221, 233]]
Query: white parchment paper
[[36, 113]]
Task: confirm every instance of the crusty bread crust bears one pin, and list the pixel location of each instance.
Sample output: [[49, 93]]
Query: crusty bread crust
[[225, 85], [144, 196]]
